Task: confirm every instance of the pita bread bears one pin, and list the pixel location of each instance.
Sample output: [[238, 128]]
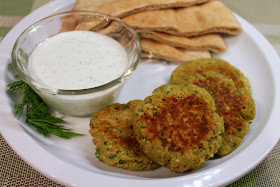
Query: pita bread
[[154, 49], [210, 17], [68, 23], [82, 21], [121, 8], [208, 42]]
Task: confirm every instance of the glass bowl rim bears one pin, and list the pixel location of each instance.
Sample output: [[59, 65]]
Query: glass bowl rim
[[56, 91]]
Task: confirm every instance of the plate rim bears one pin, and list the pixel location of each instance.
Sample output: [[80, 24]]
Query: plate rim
[[57, 173]]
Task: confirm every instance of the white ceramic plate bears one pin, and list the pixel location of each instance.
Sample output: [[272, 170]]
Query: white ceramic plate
[[72, 162]]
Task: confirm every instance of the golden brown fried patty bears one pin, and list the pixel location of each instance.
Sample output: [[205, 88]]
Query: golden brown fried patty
[[178, 127], [116, 145], [188, 69], [235, 106]]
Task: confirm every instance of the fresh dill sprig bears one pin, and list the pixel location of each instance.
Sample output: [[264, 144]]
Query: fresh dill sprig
[[38, 114]]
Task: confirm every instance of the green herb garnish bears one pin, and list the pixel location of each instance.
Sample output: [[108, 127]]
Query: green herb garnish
[[112, 156], [97, 153], [38, 113], [125, 107], [121, 161]]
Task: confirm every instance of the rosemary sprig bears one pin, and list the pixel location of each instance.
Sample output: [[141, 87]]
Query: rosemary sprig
[[38, 114]]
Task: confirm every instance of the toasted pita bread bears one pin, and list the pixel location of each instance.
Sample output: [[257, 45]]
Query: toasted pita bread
[[68, 23], [154, 49], [121, 8], [210, 17], [208, 42]]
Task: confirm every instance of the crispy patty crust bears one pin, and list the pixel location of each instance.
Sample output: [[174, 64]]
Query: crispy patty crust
[[235, 106], [178, 127], [210, 64], [113, 136]]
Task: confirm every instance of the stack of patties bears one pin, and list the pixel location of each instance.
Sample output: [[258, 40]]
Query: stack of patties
[[174, 30], [206, 110]]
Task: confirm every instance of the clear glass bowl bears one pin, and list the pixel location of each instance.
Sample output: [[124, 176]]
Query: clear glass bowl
[[82, 102]]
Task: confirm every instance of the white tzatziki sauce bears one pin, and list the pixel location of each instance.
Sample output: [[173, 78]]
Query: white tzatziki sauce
[[77, 60]]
